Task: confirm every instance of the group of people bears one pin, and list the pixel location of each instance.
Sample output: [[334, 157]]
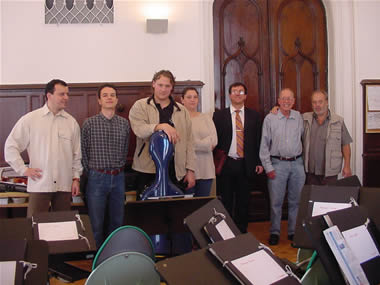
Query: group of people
[[292, 148], [286, 145], [296, 147]]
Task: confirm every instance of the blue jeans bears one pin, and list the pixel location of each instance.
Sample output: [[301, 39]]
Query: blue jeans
[[291, 174], [202, 188], [105, 191]]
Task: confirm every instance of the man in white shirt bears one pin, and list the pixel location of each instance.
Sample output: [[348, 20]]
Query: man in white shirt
[[52, 139]]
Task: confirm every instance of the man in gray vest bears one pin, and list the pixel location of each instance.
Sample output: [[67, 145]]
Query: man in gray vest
[[326, 143]]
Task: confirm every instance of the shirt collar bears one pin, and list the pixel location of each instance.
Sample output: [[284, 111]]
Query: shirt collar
[[158, 106], [233, 110], [46, 111], [105, 118], [328, 115], [291, 115]]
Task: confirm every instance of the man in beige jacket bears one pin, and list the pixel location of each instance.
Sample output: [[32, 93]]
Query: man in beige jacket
[[161, 112]]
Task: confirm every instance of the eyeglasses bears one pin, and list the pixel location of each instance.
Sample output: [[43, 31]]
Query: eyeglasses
[[289, 99], [238, 92]]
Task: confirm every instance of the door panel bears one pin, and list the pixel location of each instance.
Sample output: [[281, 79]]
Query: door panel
[[269, 45], [298, 48], [241, 50]]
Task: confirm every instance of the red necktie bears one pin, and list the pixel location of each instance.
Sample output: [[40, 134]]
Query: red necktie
[[239, 135]]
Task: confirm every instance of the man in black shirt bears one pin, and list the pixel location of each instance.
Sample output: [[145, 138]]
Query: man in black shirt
[[161, 112]]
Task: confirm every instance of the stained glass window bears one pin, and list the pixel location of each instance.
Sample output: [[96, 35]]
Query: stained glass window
[[78, 11]]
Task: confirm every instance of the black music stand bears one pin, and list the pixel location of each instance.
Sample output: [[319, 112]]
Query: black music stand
[[16, 229], [369, 198], [345, 219], [314, 193], [69, 250], [162, 216], [33, 251], [197, 267], [199, 218], [347, 181]]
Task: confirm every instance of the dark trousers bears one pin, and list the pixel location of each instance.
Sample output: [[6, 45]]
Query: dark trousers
[[40, 202], [232, 186], [312, 179]]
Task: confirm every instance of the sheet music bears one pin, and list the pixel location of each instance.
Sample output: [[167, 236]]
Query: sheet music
[[58, 231], [321, 208], [224, 230], [373, 120], [361, 243], [373, 95], [259, 268], [345, 257], [7, 272]]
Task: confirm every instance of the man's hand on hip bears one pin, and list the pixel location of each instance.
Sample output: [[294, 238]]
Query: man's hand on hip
[[33, 173]]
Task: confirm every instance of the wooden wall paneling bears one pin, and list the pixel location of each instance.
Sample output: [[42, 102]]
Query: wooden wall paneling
[[13, 104], [298, 43], [17, 100], [241, 50]]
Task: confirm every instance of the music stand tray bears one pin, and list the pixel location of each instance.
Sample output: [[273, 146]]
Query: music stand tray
[[68, 250], [33, 251], [162, 216], [199, 218], [314, 193], [197, 267]]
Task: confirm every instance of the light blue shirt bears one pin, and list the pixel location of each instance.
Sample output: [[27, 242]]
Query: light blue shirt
[[281, 136]]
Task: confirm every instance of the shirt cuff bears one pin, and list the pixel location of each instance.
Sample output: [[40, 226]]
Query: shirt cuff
[[268, 168], [21, 170]]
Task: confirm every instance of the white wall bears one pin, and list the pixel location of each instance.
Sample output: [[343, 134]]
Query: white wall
[[367, 58], [353, 56], [32, 52]]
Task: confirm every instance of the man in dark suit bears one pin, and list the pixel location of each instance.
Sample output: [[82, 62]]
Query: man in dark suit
[[239, 134]]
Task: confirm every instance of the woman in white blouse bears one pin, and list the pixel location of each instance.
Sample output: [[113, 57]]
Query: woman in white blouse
[[205, 139]]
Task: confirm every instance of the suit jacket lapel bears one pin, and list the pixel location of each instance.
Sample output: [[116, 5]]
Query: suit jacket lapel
[[246, 123]]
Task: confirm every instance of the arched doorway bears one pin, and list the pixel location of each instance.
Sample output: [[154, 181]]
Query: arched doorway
[[269, 45]]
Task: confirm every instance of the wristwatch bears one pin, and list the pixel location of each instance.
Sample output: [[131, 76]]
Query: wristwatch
[[76, 179]]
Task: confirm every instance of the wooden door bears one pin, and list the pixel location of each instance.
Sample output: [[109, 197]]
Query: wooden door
[[298, 55], [270, 45], [241, 50]]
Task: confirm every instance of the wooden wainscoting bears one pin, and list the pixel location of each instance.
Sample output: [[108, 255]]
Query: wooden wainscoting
[[17, 100]]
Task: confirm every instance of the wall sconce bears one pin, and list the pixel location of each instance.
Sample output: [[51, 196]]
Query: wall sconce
[[157, 26], [157, 18]]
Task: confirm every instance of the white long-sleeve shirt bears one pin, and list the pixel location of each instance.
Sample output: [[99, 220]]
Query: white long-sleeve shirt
[[53, 145]]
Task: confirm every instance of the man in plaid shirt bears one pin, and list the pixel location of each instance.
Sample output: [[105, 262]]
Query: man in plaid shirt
[[105, 138]]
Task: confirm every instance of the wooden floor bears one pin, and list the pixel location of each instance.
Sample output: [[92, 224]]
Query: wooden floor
[[259, 230], [283, 249]]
